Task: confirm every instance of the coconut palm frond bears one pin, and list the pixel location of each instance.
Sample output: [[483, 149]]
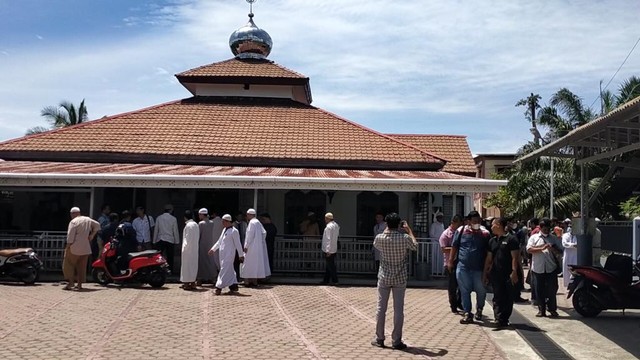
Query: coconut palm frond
[[36, 130]]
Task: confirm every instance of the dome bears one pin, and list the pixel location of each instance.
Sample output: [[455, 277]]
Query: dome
[[250, 41]]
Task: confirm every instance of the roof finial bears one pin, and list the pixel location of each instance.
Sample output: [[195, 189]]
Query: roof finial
[[251, 7]]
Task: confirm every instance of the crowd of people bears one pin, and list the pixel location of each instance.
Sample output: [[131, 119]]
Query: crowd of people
[[493, 252], [217, 250], [477, 254]]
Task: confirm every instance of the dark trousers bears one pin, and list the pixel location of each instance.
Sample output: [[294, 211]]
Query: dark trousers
[[330, 272], [502, 297], [167, 249], [452, 287], [519, 286], [545, 287]]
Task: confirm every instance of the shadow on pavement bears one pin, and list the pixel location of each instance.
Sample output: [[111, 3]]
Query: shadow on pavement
[[414, 350], [16, 283], [623, 330]]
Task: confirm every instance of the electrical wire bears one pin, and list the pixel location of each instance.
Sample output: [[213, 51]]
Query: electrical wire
[[616, 73]]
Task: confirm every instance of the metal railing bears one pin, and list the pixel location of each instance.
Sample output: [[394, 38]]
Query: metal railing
[[49, 245], [302, 254], [293, 254]]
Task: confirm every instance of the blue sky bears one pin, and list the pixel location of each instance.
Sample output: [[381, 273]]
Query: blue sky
[[436, 67]]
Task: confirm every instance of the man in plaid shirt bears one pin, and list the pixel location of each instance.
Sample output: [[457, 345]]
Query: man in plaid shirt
[[392, 276]]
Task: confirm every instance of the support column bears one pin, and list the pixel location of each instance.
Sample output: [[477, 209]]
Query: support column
[[551, 192], [255, 199], [92, 202], [582, 228]]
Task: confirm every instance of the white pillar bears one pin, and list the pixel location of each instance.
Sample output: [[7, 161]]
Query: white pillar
[[255, 199], [92, 202], [551, 192]]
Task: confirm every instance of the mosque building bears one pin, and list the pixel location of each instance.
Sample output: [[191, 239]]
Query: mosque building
[[247, 137]]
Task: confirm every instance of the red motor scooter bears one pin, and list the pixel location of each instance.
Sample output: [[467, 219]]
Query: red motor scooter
[[144, 267], [595, 289]]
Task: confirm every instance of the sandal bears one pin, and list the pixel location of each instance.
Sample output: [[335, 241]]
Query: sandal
[[218, 291]]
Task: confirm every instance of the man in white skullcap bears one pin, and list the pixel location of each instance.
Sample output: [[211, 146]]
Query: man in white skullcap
[[207, 270], [82, 229], [256, 259], [228, 245]]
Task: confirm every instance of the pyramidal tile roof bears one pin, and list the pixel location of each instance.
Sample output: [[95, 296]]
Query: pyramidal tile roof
[[452, 147], [255, 68], [225, 131]]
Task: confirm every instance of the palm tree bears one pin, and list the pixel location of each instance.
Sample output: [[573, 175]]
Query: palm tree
[[63, 115], [628, 90], [532, 102], [564, 113]]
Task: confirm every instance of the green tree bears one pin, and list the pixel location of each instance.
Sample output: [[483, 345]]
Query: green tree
[[63, 115], [532, 103]]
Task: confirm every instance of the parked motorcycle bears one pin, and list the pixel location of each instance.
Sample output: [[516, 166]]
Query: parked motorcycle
[[595, 289], [22, 264], [144, 267]]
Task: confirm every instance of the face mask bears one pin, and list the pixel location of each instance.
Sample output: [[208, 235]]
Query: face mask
[[475, 226]]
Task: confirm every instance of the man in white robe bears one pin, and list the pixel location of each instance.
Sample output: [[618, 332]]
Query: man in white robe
[[570, 257], [227, 246], [256, 259], [189, 259], [207, 269], [217, 231]]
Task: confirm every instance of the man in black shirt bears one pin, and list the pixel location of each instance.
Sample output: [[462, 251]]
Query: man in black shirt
[[501, 269]]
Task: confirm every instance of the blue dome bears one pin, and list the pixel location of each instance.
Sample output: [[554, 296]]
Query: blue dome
[[250, 41]]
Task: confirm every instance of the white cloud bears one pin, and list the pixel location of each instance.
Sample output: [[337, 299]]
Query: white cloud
[[467, 62]]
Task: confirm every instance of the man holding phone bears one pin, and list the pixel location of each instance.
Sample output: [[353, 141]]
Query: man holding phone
[[392, 277]]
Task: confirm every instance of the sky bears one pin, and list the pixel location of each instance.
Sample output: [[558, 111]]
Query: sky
[[431, 67]]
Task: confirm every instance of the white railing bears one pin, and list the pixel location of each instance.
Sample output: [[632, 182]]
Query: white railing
[[298, 254], [293, 254], [49, 245]]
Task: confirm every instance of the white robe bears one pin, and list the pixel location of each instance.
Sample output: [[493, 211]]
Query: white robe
[[256, 259], [227, 246], [569, 242], [189, 259]]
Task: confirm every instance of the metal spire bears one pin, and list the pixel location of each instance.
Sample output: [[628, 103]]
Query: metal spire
[[251, 7]]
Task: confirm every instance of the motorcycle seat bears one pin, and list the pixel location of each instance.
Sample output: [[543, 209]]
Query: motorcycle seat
[[146, 253], [11, 252]]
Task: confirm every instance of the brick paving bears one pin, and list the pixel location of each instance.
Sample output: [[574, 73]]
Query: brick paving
[[275, 322]]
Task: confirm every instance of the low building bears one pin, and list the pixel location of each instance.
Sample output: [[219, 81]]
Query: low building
[[488, 166]]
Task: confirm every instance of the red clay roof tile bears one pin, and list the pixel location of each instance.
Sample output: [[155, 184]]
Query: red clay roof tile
[[451, 147], [242, 68], [236, 131]]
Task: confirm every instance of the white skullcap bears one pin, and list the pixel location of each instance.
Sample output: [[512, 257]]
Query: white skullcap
[[74, 209], [203, 211], [251, 211], [597, 219], [567, 220], [439, 214], [227, 217], [328, 216]]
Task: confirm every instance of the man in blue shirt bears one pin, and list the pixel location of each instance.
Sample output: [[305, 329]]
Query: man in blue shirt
[[470, 245]]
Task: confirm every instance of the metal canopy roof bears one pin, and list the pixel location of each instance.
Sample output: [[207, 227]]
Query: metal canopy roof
[[603, 140]]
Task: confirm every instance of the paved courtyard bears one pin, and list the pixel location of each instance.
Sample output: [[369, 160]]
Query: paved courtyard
[[278, 322]]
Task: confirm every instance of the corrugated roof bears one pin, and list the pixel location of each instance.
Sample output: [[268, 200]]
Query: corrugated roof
[[49, 167], [454, 148]]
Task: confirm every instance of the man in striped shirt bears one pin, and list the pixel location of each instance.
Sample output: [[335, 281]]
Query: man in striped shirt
[[392, 276]]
